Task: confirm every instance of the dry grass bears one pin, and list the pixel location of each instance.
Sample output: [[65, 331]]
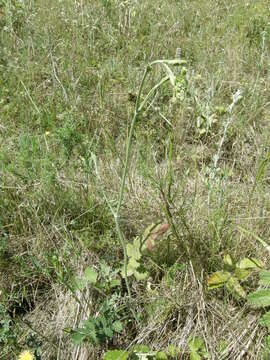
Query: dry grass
[[69, 74]]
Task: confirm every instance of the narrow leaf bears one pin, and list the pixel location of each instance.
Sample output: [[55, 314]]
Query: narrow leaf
[[228, 260]]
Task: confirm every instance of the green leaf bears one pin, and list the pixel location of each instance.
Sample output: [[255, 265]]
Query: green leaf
[[132, 265], [114, 283], [265, 320], [173, 351], [227, 259], [105, 269], [242, 274], [90, 275], [133, 250], [195, 343], [265, 277], [116, 355], [108, 332], [249, 264], [117, 326], [260, 298], [218, 279], [78, 338], [267, 342], [79, 283], [194, 355], [141, 349], [234, 287], [140, 275], [161, 355]]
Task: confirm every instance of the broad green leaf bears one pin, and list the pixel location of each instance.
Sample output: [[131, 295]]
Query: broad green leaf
[[117, 326], [265, 277], [267, 342], [265, 320], [139, 356], [194, 356], [140, 275], [108, 332], [88, 325], [80, 283], [133, 250], [218, 279], [260, 298], [90, 275], [141, 349], [195, 343], [105, 269], [132, 265], [249, 264], [234, 287], [161, 355], [78, 338], [173, 351], [242, 274], [116, 355]]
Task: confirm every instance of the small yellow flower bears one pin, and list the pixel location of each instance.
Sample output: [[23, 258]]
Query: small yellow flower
[[26, 355]]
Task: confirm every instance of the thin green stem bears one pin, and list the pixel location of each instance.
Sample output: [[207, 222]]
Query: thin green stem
[[151, 92]]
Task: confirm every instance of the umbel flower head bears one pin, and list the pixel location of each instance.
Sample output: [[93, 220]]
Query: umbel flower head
[[26, 355]]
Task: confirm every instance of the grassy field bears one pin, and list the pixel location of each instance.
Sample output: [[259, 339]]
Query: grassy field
[[170, 271]]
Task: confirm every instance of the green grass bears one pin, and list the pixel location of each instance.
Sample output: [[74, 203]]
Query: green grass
[[69, 76]]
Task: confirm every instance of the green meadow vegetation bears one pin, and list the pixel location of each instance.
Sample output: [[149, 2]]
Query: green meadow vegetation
[[134, 168]]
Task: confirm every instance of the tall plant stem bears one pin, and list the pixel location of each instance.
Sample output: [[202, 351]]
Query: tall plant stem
[[138, 108]]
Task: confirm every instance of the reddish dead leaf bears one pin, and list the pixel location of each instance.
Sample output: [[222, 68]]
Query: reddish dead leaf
[[161, 229]]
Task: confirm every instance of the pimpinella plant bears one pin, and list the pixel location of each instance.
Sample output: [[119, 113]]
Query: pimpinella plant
[[141, 102], [139, 246]]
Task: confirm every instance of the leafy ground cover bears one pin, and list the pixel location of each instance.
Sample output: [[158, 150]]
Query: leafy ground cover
[[179, 268]]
